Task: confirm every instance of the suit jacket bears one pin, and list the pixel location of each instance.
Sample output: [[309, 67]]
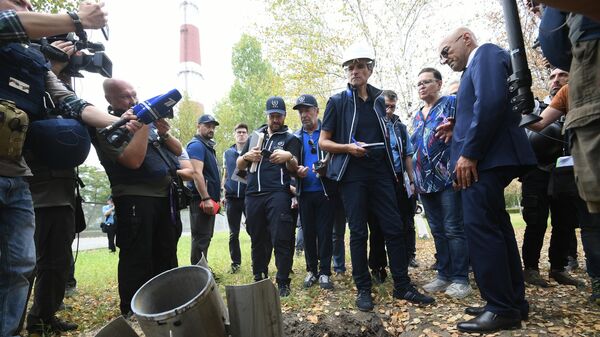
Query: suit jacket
[[486, 129]]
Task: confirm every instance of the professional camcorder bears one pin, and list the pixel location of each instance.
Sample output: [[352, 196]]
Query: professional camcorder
[[91, 58], [148, 111]]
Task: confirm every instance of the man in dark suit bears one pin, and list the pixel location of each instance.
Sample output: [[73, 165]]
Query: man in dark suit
[[488, 151]]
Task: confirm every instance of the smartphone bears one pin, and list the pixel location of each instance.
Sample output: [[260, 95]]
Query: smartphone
[[266, 153]]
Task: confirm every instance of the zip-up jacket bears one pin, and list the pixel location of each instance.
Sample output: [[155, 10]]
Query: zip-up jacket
[[233, 189], [271, 177], [329, 186], [402, 141], [343, 104]]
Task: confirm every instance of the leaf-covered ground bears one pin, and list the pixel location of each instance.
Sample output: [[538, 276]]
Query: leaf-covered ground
[[555, 311]]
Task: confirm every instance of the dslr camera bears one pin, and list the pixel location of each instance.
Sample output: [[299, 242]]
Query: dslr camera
[[92, 58]]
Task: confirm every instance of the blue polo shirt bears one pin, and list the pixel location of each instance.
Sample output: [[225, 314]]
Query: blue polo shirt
[[200, 149], [310, 183]]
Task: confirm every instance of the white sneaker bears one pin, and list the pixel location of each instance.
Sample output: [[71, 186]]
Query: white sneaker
[[436, 285], [309, 280], [459, 290], [325, 282]]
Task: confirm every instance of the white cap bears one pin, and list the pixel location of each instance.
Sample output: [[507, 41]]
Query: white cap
[[359, 50]]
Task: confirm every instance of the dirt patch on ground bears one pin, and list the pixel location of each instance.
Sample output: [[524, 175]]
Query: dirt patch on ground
[[344, 323]]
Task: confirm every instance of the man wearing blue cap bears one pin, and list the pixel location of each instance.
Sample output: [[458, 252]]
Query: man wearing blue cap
[[268, 216], [315, 195], [205, 187]]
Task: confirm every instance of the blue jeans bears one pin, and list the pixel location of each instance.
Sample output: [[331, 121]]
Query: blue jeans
[[444, 214], [17, 251]]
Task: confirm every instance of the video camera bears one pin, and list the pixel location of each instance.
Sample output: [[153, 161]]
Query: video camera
[[148, 111], [91, 59]]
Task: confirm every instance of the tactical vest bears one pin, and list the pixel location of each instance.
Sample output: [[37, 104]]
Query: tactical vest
[[153, 167], [58, 143]]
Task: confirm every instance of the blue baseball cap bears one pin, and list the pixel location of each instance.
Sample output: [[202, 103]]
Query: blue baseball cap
[[306, 100], [205, 119], [275, 104]]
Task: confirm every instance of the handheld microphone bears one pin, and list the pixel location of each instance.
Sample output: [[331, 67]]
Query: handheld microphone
[[148, 111]]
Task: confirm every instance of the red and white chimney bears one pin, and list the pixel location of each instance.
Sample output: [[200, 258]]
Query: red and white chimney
[[190, 76]]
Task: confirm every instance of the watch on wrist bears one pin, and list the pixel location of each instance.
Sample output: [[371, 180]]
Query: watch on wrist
[[76, 22]]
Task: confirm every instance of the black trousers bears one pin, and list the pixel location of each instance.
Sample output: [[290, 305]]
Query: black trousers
[[202, 227], [147, 236], [537, 204], [235, 208], [271, 227], [317, 216], [492, 245], [406, 206], [54, 231], [375, 199], [111, 232]]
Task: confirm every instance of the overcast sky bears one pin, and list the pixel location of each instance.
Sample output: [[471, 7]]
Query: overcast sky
[[144, 47]]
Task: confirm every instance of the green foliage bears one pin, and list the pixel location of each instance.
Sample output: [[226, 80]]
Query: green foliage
[[255, 81], [306, 40], [183, 126], [54, 6], [97, 186]]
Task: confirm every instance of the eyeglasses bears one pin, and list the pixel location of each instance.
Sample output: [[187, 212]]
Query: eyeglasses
[[313, 148], [446, 50], [390, 106], [357, 65], [425, 82]]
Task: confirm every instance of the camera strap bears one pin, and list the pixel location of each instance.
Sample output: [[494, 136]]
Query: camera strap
[[172, 171]]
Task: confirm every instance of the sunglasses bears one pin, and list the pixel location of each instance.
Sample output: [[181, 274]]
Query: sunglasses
[[446, 50], [313, 148]]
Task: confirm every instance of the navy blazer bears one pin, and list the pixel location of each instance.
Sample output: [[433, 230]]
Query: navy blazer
[[486, 129]]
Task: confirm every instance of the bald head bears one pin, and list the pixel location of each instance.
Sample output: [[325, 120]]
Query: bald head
[[119, 94], [455, 48]]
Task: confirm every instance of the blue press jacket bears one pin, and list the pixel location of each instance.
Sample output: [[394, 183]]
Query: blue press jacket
[[486, 128], [344, 105]]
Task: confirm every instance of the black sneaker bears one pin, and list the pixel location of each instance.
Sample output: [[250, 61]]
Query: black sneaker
[[309, 280], [364, 301], [414, 296], [58, 324], [563, 277], [413, 263], [284, 289], [235, 268]]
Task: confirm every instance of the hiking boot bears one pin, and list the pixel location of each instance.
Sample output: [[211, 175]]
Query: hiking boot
[[235, 268], [414, 296], [595, 297], [436, 285], [309, 280], [413, 263], [533, 277], [325, 282], [459, 290], [572, 263], [284, 289], [562, 277], [364, 301], [379, 275]]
